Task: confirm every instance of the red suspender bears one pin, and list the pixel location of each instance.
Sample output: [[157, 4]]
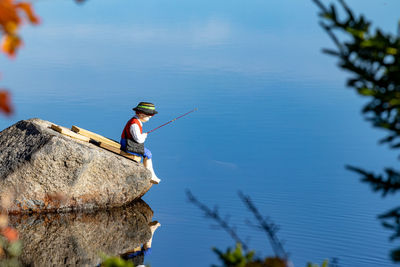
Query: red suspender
[[126, 134]]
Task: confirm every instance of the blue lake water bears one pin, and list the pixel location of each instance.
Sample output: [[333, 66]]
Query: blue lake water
[[274, 118]]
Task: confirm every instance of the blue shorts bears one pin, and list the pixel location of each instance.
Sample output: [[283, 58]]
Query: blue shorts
[[147, 152], [143, 251]]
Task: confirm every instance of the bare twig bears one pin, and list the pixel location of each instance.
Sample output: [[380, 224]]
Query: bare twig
[[268, 227], [214, 214]]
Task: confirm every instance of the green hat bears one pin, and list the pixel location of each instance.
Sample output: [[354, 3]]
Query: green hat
[[146, 108]]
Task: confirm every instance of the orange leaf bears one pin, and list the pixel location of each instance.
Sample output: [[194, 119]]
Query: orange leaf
[[12, 15], [5, 103], [8, 13], [10, 44], [11, 27], [10, 233], [29, 12]]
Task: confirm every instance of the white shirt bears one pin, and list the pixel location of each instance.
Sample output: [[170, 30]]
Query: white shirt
[[135, 132]]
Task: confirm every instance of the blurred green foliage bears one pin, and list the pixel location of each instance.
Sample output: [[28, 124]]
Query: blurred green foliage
[[238, 258], [324, 264], [10, 252], [115, 261], [234, 257]]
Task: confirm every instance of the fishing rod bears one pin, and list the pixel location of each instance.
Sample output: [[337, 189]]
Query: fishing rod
[[173, 120]]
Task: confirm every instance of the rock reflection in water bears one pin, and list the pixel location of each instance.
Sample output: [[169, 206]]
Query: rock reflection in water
[[77, 239]]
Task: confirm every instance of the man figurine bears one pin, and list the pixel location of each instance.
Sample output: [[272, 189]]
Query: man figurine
[[137, 254], [132, 137]]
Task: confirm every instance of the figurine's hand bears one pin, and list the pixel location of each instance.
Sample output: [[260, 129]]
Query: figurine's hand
[[145, 135]]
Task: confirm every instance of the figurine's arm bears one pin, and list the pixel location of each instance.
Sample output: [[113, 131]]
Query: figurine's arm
[[137, 136]]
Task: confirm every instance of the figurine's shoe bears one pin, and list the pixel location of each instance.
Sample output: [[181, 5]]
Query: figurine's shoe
[[154, 225], [155, 180]]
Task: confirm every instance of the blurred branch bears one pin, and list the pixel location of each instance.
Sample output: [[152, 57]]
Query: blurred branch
[[235, 257], [268, 227], [391, 221], [214, 214], [388, 184], [373, 60]]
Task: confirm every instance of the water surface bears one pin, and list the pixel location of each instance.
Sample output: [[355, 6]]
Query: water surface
[[275, 119]]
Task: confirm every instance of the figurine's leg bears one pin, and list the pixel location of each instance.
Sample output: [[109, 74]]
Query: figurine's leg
[[148, 163], [153, 227]]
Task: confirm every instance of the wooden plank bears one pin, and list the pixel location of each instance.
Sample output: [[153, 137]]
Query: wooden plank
[[113, 147], [104, 142], [116, 150], [68, 132], [95, 136]]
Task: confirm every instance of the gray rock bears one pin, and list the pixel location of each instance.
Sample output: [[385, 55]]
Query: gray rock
[[48, 171], [78, 238]]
